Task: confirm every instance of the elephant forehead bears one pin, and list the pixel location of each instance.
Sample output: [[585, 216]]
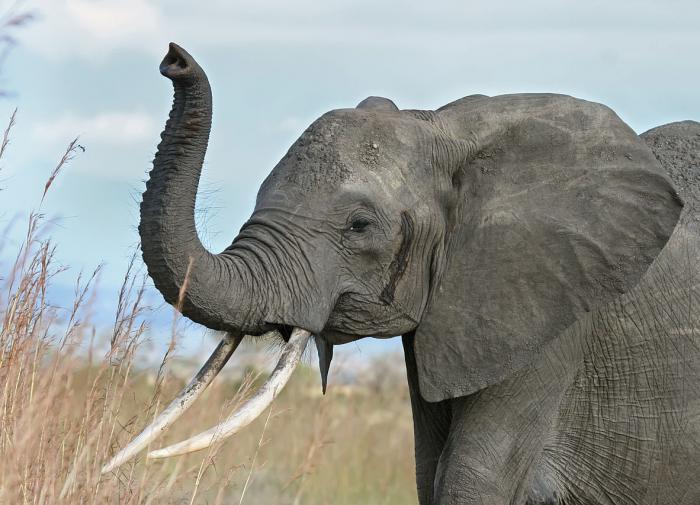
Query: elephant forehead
[[309, 169], [340, 148], [315, 159]]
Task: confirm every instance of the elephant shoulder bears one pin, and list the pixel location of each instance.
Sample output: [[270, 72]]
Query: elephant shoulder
[[584, 122], [470, 99]]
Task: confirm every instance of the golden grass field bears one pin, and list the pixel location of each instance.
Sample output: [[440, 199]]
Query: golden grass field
[[71, 395]]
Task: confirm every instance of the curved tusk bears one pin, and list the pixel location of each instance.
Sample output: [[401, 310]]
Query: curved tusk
[[181, 403], [252, 408]]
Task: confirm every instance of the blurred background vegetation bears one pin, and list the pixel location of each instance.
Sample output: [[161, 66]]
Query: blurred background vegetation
[[72, 395]]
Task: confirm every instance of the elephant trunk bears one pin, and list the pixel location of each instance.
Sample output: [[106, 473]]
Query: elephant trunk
[[215, 290], [211, 289]]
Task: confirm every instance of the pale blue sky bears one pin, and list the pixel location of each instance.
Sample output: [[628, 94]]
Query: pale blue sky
[[90, 68]]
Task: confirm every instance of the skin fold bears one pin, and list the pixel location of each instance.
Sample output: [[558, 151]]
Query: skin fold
[[531, 250]]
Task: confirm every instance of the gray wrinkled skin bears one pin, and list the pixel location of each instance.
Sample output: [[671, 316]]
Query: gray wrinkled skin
[[531, 250]]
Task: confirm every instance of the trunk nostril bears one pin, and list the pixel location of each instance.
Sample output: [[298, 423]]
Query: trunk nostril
[[176, 63]]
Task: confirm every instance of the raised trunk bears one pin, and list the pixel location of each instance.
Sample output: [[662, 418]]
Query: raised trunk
[[217, 293]]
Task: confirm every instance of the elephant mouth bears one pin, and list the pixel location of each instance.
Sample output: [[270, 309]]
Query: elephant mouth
[[277, 329]]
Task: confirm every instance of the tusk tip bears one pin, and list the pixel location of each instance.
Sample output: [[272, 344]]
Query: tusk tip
[[158, 454], [107, 469], [115, 462]]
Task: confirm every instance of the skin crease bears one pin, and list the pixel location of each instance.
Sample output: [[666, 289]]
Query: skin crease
[[509, 240]]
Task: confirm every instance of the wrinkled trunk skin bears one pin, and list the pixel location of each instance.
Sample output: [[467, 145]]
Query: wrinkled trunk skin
[[218, 293]]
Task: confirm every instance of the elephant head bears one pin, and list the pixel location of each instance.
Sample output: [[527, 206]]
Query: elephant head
[[483, 229]]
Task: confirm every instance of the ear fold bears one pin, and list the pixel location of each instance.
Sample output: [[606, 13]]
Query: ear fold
[[562, 208]]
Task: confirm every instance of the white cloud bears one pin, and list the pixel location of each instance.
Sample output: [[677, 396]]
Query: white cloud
[[112, 128], [114, 20], [93, 28]]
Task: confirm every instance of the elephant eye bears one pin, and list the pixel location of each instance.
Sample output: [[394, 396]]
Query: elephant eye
[[359, 224]]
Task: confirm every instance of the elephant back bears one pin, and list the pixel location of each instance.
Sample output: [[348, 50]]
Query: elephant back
[[677, 147]]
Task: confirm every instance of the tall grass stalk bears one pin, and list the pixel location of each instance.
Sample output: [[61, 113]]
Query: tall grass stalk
[[72, 394]]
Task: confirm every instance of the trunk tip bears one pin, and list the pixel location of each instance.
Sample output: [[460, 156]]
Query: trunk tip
[[178, 63]]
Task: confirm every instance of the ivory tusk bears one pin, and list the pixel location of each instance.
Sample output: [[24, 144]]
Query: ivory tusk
[[252, 408], [181, 403]]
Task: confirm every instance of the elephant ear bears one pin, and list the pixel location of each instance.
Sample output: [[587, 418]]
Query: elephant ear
[[561, 208]]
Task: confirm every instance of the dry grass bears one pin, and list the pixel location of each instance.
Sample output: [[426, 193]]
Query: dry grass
[[70, 397]]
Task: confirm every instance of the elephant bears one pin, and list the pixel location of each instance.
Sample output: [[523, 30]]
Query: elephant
[[535, 255]]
